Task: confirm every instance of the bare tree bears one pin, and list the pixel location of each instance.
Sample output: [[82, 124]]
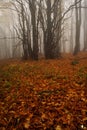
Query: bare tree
[[21, 27], [34, 22], [47, 16], [51, 27], [85, 25], [78, 27], [27, 29]]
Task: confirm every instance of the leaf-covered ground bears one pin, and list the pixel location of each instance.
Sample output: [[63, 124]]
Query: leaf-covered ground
[[44, 95]]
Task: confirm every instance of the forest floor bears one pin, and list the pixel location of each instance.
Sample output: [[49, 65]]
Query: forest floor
[[44, 94]]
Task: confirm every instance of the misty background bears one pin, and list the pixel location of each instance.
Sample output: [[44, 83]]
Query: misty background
[[26, 30]]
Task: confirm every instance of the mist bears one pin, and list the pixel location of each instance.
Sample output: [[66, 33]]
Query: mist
[[12, 28]]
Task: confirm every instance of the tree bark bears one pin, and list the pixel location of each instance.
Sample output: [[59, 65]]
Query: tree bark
[[78, 26]]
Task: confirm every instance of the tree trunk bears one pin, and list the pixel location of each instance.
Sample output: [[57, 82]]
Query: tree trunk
[[34, 29], [85, 26], [25, 47], [48, 40], [78, 26]]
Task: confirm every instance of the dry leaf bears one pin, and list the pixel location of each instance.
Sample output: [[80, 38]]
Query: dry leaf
[[58, 127], [27, 123]]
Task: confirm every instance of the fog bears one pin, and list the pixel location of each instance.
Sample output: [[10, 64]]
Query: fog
[[12, 47]]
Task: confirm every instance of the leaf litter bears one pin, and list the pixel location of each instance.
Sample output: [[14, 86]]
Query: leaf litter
[[44, 95]]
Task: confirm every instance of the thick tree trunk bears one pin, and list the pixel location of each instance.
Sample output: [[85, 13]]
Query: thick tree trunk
[[24, 42], [53, 32], [71, 37], [78, 26], [34, 29], [48, 41], [85, 26]]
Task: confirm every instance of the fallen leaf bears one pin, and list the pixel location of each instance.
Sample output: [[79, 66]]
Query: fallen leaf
[[58, 127]]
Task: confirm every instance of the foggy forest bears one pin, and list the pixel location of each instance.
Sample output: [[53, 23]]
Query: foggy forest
[[43, 64]]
